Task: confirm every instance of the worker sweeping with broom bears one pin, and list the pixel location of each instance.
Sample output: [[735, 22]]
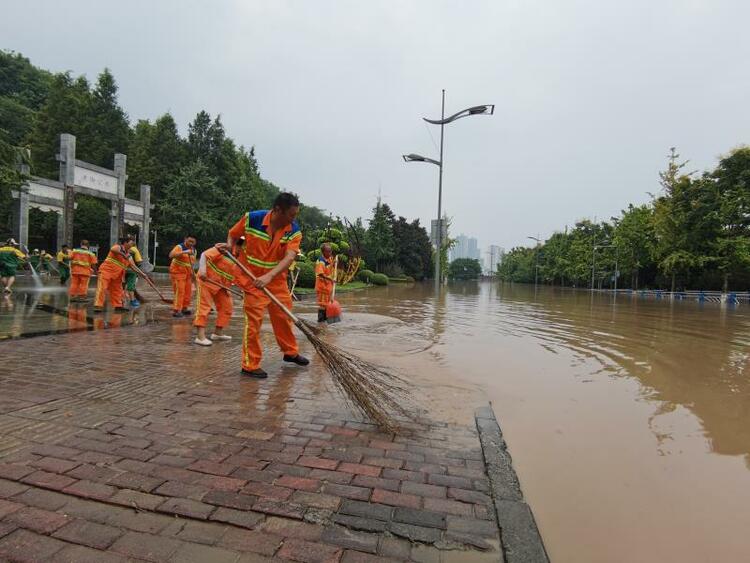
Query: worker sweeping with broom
[[111, 275], [216, 274], [324, 280], [82, 262], [181, 274], [272, 240]]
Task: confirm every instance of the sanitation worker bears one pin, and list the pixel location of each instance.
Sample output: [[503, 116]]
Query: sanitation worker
[[272, 240], [324, 280], [82, 262], [216, 273], [63, 263], [10, 258], [111, 275], [131, 278], [181, 274], [45, 259]]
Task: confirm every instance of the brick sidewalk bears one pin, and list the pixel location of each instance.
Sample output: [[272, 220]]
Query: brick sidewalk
[[106, 455]]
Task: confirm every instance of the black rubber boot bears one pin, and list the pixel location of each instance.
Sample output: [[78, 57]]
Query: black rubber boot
[[321, 315], [299, 360], [256, 373]]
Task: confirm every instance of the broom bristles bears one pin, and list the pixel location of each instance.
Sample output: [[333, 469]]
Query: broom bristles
[[376, 393]]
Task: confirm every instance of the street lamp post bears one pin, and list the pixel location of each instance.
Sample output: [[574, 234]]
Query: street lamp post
[[488, 109], [536, 260]]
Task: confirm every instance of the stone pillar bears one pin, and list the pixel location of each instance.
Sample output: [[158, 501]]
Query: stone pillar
[[118, 211], [114, 223], [21, 212], [61, 231], [146, 229], [67, 158]]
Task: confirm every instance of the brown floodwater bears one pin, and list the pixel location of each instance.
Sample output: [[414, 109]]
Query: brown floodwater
[[628, 419]]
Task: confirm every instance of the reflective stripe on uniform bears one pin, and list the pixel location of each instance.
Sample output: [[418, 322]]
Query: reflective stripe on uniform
[[181, 263], [260, 263], [219, 271], [113, 261]]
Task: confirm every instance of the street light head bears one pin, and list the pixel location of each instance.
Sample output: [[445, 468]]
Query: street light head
[[482, 110], [487, 109], [419, 158]]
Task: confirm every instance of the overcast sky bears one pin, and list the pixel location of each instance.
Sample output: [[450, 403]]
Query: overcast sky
[[590, 95]]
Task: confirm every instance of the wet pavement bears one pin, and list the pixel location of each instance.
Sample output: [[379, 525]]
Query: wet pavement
[[135, 444]]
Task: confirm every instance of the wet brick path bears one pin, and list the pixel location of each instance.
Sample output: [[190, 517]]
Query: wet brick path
[[134, 444]]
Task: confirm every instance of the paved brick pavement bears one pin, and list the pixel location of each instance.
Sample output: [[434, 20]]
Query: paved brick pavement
[[133, 444]]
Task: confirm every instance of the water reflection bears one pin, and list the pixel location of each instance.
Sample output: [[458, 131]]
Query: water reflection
[[32, 311]]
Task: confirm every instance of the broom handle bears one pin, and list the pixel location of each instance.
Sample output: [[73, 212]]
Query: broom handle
[[270, 295], [335, 277], [231, 290], [149, 282]]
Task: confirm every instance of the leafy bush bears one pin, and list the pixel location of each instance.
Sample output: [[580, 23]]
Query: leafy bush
[[306, 274], [379, 279], [393, 270], [365, 275]]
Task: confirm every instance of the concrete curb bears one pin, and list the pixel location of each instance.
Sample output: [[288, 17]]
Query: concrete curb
[[519, 535]]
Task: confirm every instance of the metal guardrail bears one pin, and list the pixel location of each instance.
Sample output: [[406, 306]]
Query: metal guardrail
[[732, 297]]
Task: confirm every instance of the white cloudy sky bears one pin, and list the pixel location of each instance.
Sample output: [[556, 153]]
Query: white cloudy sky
[[590, 94]]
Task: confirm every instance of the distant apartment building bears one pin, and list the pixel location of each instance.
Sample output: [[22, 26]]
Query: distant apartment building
[[492, 258], [465, 247]]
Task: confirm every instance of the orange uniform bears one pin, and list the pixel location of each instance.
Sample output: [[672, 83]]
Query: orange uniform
[[82, 261], [262, 252], [221, 270], [111, 275], [323, 287], [181, 274]]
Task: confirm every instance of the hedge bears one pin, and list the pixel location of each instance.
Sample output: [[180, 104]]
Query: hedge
[[365, 275], [306, 274]]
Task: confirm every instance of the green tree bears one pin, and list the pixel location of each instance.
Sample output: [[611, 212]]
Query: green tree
[[193, 204], [108, 130], [413, 253], [379, 241], [65, 110], [91, 221], [634, 237], [517, 265], [731, 245], [465, 269], [10, 179], [157, 152], [23, 82]]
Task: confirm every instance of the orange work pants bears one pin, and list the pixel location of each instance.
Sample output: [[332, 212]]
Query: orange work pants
[[109, 284], [182, 285], [79, 285], [256, 302], [324, 298], [211, 295]]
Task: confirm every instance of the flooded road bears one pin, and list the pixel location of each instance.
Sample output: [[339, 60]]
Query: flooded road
[[628, 420]]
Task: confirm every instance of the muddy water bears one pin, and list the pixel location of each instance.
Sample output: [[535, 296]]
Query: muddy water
[[628, 419]]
